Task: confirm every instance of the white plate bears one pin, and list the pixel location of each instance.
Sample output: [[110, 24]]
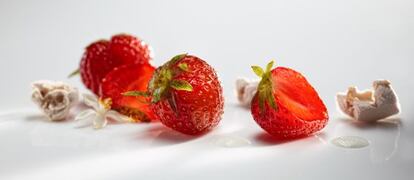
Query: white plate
[[34, 148], [333, 43]]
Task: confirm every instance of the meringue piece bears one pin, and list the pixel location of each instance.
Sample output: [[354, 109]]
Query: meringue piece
[[246, 89], [99, 113], [54, 98], [370, 105]]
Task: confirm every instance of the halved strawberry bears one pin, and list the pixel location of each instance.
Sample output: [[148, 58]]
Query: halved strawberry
[[127, 78], [286, 105], [102, 56]]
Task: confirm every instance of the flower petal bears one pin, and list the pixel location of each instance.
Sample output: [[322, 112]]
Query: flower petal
[[85, 115], [91, 101], [117, 116], [83, 124], [99, 122]]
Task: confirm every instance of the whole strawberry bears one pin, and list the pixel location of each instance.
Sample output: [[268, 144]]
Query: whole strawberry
[[95, 64], [129, 49], [102, 56], [186, 95], [286, 105]]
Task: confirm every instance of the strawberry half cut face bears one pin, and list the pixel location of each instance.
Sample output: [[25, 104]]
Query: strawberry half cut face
[[292, 91], [127, 78], [286, 105]]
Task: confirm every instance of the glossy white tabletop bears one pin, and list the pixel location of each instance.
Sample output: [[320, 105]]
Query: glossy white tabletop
[[333, 43]]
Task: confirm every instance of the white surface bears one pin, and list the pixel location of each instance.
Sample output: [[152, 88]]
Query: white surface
[[334, 43]]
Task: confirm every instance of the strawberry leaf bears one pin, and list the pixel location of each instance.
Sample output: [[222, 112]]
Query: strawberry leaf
[[136, 93], [271, 101], [183, 67], [173, 104], [258, 71], [177, 58], [261, 102], [167, 73], [74, 73], [265, 87], [269, 66], [181, 85], [156, 96]]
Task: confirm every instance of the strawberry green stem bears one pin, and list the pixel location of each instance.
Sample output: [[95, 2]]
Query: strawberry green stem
[[163, 81], [265, 87]]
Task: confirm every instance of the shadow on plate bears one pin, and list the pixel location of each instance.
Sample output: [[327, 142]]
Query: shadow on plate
[[36, 117], [239, 106], [162, 135], [43, 118]]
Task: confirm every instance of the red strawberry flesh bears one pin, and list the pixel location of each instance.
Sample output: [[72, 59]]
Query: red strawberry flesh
[[293, 91], [126, 78]]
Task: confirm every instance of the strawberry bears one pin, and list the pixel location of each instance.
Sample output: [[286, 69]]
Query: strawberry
[[186, 95], [102, 56], [95, 64], [286, 105], [127, 78], [129, 49]]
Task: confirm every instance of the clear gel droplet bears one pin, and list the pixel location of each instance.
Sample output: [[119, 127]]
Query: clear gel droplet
[[231, 141], [352, 142]]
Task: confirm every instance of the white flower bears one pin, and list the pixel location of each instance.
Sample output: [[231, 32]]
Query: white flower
[[100, 112]]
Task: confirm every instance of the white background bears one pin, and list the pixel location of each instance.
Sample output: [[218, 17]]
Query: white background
[[334, 43]]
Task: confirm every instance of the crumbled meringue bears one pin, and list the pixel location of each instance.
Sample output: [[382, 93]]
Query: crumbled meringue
[[246, 89], [370, 105], [100, 112], [54, 98]]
